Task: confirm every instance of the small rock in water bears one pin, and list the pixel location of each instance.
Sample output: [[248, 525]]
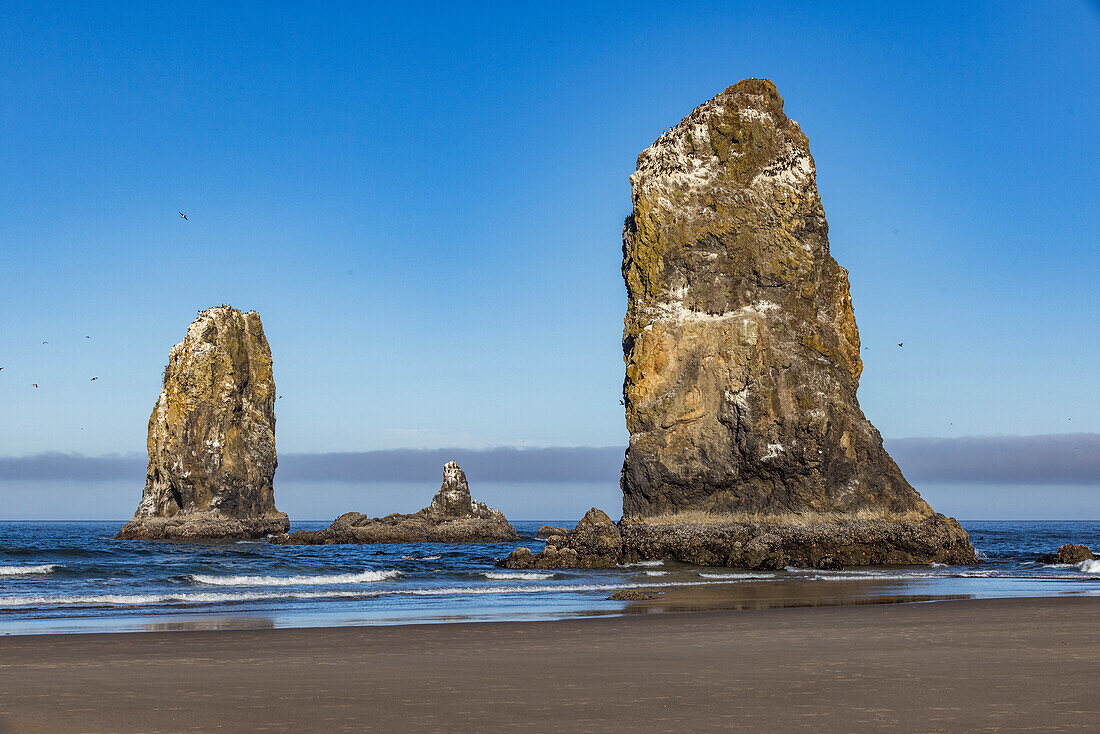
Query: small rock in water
[[1069, 553]]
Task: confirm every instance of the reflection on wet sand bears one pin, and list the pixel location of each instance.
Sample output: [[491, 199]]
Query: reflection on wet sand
[[211, 623], [778, 594]]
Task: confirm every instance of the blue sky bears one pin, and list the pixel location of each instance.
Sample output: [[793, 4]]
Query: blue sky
[[424, 203]]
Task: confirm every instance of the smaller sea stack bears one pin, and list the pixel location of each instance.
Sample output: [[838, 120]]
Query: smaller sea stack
[[453, 516], [212, 437]]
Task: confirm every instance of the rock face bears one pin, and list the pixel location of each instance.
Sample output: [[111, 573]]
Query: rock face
[[212, 436], [452, 517], [747, 443]]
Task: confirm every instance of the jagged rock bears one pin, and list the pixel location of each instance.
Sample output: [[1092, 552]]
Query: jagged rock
[[547, 531], [452, 517], [212, 436], [741, 348], [594, 543], [1069, 553]]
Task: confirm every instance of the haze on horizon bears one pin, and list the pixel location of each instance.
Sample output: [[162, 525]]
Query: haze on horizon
[[425, 206]]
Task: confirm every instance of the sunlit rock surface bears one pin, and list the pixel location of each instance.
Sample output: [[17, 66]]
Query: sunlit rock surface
[[212, 436], [747, 443]]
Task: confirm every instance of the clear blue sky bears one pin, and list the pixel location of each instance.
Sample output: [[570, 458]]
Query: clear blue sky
[[424, 203]]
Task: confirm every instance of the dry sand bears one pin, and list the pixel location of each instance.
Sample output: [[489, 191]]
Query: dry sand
[[979, 665]]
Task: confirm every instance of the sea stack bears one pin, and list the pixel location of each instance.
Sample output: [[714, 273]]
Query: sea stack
[[212, 436], [453, 516], [747, 443]]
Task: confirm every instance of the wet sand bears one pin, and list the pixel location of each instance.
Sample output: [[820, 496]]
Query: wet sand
[[978, 665]]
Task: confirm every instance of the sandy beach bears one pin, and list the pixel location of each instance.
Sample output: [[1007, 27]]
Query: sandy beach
[[979, 665]]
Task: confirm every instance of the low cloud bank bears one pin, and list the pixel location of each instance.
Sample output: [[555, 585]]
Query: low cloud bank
[[1063, 458], [1048, 459]]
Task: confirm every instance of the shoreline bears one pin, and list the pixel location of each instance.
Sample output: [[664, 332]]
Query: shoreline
[[984, 664], [644, 599]]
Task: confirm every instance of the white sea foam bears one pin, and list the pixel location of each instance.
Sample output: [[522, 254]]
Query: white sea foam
[[1089, 566], [736, 576], [934, 564], [27, 570], [420, 558], [656, 573], [98, 600], [340, 578], [505, 576], [644, 564]]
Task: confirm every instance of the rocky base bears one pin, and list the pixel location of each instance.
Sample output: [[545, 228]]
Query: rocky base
[[599, 543], [202, 526], [1069, 553], [353, 527]]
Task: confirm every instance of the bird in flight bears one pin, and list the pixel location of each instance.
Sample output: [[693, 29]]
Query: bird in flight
[[900, 344], [184, 216], [34, 385], [93, 379], [45, 342]]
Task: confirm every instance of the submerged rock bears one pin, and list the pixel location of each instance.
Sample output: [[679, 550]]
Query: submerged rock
[[212, 436], [452, 517], [747, 443]]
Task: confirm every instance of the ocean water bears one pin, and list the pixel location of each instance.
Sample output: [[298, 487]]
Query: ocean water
[[74, 577]]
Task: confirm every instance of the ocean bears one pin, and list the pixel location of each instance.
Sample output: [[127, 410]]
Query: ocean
[[62, 577]]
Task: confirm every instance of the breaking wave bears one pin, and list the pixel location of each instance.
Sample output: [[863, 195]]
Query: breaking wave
[[340, 578], [1089, 566], [643, 564], [27, 570], [736, 576], [420, 558], [504, 576], [101, 600]]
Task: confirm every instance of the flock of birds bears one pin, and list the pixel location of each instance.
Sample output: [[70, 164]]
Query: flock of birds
[[35, 384]]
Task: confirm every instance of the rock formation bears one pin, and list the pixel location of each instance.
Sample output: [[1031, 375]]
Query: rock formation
[[452, 517], [1070, 553], [594, 543], [212, 436], [747, 443]]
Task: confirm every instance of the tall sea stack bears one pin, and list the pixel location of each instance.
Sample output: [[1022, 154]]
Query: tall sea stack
[[747, 444], [212, 436]]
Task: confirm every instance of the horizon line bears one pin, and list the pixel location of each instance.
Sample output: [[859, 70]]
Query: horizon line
[[1060, 458]]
